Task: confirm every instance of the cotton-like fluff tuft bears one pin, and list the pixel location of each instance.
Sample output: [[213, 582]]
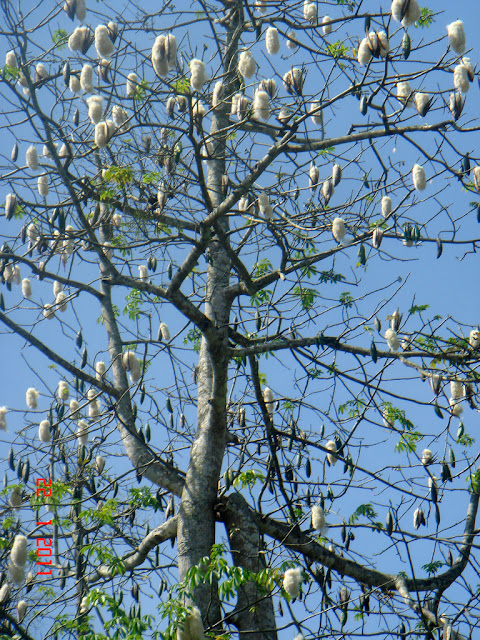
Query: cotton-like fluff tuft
[[326, 25], [31, 158], [159, 57], [331, 447], [318, 519], [8, 273], [63, 390], [408, 16], [11, 59], [456, 36], [364, 54], [21, 610], [57, 287], [422, 103], [261, 105], [117, 220], [461, 81], [291, 44], [143, 272], [455, 407], [387, 206], [95, 109], [164, 332], [17, 276], [427, 457], [100, 464], [171, 50], [82, 433], [102, 136], [338, 229], [74, 84], [474, 339], [15, 498], [418, 177], [456, 389], [32, 233], [19, 552], [132, 84], [16, 574], [64, 151], [132, 364], [313, 175], [103, 44], [336, 174], [315, 110], [100, 370], [86, 78], [404, 93], [272, 41], [292, 581], [327, 190], [269, 401], [246, 64], [93, 405], [392, 340], [3, 418], [192, 627], [41, 72], [42, 185], [48, 311], [61, 302], [74, 409], [217, 95], [44, 434], [4, 593], [293, 81], [310, 12], [31, 398], [383, 44], [198, 74]]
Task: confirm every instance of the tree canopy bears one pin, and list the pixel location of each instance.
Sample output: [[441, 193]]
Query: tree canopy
[[240, 420]]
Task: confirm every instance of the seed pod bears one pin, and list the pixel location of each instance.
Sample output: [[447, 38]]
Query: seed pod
[[336, 174], [418, 518], [363, 104], [446, 473], [362, 258], [456, 104], [389, 523], [377, 237], [373, 351]]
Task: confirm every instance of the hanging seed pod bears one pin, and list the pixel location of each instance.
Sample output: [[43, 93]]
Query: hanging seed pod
[[377, 237], [362, 257], [432, 483], [389, 523], [439, 248], [308, 468], [363, 104], [406, 45], [10, 205], [456, 104], [438, 412], [14, 154], [418, 518], [373, 351], [11, 459], [26, 471], [84, 358]]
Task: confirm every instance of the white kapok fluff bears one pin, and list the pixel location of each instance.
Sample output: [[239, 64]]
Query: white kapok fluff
[[63, 390], [310, 12], [261, 105], [332, 450], [86, 78], [74, 407], [11, 59], [103, 44], [143, 272], [422, 103], [19, 552], [269, 401], [100, 463], [318, 519], [326, 25], [456, 36], [338, 229], [15, 498], [100, 370], [61, 303], [198, 74], [272, 41], [48, 311], [418, 177], [165, 332], [292, 580], [392, 340], [387, 206], [192, 627], [461, 80], [132, 84], [364, 53], [31, 158], [74, 84], [246, 64], [44, 434], [31, 398], [42, 185], [412, 13], [404, 93], [3, 418], [82, 432], [95, 108], [21, 610]]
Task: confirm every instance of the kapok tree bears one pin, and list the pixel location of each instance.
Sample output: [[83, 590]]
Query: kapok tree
[[250, 424]]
